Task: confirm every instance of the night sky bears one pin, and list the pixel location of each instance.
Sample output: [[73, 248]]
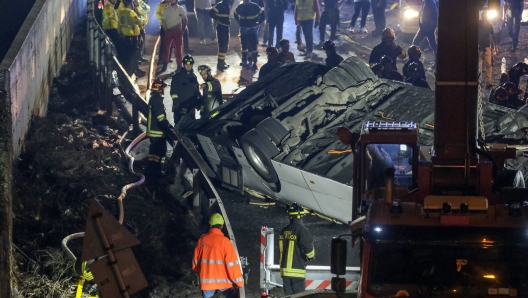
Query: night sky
[[12, 15]]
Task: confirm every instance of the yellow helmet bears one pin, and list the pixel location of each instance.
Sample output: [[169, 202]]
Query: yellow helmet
[[216, 219], [295, 210], [387, 32]]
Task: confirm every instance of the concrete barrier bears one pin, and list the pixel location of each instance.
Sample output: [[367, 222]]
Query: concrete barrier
[[35, 58]]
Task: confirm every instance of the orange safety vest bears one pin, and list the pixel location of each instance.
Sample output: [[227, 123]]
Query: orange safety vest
[[216, 262]]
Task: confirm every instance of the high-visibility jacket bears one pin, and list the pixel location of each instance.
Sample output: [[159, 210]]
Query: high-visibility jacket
[[212, 95], [249, 15], [220, 12], [120, 7], [295, 248], [305, 9], [216, 262], [160, 10], [157, 119], [142, 11], [128, 22], [109, 16]]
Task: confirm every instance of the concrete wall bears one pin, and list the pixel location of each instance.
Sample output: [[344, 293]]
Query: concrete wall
[[35, 58]]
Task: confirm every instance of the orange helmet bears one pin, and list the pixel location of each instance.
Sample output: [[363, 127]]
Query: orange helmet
[[158, 85]]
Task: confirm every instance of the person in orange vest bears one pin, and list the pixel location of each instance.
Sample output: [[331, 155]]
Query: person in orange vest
[[216, 261]]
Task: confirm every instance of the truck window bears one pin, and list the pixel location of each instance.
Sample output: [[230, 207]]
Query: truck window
[[379, 157]]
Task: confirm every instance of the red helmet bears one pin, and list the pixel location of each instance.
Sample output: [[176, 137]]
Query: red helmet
[[158, 85], [510, 87]]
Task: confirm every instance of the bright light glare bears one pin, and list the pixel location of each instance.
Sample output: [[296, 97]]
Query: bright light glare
[[403, 147], [411, 13], [489, 276], [378, 229], [492, 14]]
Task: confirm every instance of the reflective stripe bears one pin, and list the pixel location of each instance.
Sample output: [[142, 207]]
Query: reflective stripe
[[173, 96], [311, 254], [205, 280], [161, 117], [195, 262], [293, 272], [232, 263], [210, 86], [163, 160], [291, 247], [281, 248], [238, 279], [212, 261], [222, 15], [223, 24]]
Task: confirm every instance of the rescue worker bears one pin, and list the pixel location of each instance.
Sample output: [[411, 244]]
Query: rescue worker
[[142, 9], [174, 22], [184, 91], [388, 73], [330, 16], [517, 71], [285, 55], [110, 23], [295, 249], [306, 11], [332, 57], [128, 27], [216, 261], [415, 78], [387, 47], [249, 16], [159, 132], [212, 90], [272, 54], [275, 19], [377, 69], [220, 12], [414, 57]]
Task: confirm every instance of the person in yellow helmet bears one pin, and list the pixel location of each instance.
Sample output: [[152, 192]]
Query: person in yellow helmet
[[128, 28]]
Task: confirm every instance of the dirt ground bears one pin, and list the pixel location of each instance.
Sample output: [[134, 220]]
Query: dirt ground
[[74, 155]]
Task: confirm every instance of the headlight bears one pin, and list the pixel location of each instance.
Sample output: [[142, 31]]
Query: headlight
[[411, 13], [492, 14]]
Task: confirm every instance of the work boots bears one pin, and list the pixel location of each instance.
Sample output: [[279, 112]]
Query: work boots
[[221, 65], [244, 59]]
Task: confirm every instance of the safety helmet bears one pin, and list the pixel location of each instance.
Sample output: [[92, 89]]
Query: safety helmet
[[216, 219], [385, 59], [376, 67], [295, 210], [414, 50], [387, 32], [188, 59], [272, 50], [329, 45], [413, 67], [510, 87], [203, 68], [158, 85], [501, 94]]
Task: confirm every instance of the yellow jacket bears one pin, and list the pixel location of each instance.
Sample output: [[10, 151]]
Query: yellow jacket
[[109, 16], [129, 22], [120, 7], [160, 10], [142, 11]]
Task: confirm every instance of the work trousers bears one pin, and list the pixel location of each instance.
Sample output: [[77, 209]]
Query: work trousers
[[141, 43], [249, 41], [298, 31], [264, 26], [114, 38], [129, 49], [228, 293], [205, 24], [293, 285], [222, 33], [485, 58], [363, 8], [429, 34], [276, 21], [307, 29], [330, 17], [379, 15], [176, 37], [513, 22], [156, 159]]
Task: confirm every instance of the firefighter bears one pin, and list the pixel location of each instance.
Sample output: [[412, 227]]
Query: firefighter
[[414, 57], [184, 90], [159, 132], [220, 13], [216, 261], [128, 27], [295, 249], [388, 72], [249, 16], [415, 76], [212, 90], [387, 47], [142, 9], [332, 57]]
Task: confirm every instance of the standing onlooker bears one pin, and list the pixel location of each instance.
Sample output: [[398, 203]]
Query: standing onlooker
[[264, 25], [330, 17], [514, 9], [174, 22], [486, 50], [306, 11], [295, 249], [205, 25], [378, 10], [249, 15], [285, 55], [216, 261], [428, 21], [275, 19], [220, 13], [362, 6], [159, 14], [387, 47]]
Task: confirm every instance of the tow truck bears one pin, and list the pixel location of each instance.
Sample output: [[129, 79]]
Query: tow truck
[[443, 221]]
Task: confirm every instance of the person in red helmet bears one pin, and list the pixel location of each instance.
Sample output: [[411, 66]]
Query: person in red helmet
[[159, 132], [415, 54]]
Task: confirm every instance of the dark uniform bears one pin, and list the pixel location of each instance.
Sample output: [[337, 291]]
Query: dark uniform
[[330, 17], [407, 73], [249, 16], [392, 75], [419, 82], [266, 68], [159, 132], [333, 60], [212, 95], [275, 19], [220, 12], [295, 248], [393, 51], [185, 94]]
